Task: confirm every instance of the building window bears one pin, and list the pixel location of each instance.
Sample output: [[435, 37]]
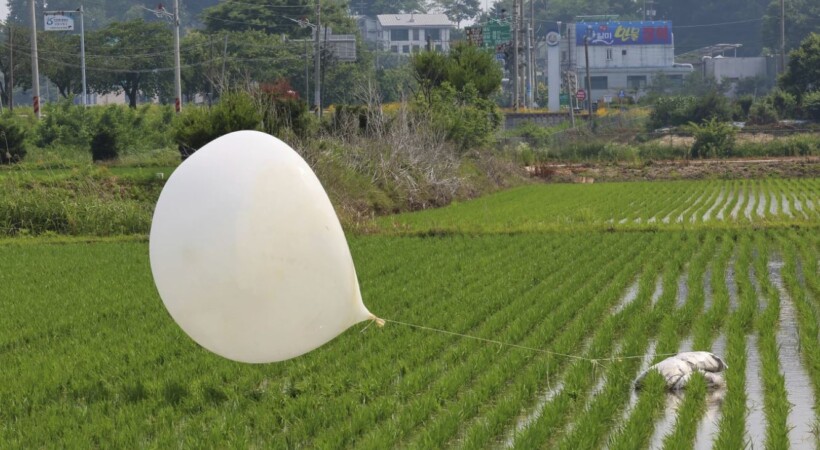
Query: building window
[[564, 55], [599, 82], [623, 52], [415, 35], [400, 35], [609, 54], [433, 33], [636, 82], [394, 48], [439, 48], [405, 49], [416, 48], [676, 80]]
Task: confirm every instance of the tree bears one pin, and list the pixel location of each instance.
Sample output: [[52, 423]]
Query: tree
[[21, 58], [460, 10], [803, 73], [60, 61], [131, 57], [375, 7], [465, 64], [802, 18]]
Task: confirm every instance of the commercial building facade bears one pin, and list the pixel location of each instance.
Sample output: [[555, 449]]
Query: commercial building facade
[[624, 57]]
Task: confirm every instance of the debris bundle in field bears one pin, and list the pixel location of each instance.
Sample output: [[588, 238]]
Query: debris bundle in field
[[678, 370]]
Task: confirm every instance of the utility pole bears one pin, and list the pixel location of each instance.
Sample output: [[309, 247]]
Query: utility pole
[[35, 70], [177, 68], [782, 36], [317, 62], [589, 80], [11, 69], [82, 53], [530, 88], [516, 90]]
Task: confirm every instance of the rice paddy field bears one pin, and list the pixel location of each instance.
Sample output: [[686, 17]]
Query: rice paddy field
[[518, 320]]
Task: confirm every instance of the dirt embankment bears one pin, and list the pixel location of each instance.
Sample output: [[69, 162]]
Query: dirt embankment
[[793, 167]]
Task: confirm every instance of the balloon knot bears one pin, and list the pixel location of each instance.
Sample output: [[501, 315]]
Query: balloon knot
[[379, 322]]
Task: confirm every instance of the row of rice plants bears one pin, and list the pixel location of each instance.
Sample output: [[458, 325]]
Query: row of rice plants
[[679, 204], [808, 313], [732, 425], [593, 424], [577, 381], [428, 299], [519, 326], [437, 376], [694, 321], [775, 402], [633, 432], [674, 325], [626, 312]]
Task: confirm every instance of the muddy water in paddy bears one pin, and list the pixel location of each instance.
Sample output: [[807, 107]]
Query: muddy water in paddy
[[773, 204], [666, 423], [708, 214], [761, 300], [741, 196], [761, 204], [798, 206], [554, 387], [798, 385], [709, 423], [707, 290], [785, 205], [721, 214], [629, 296], [683, 290], [750, 206], [731, 285], [656, 295], [756, 418]]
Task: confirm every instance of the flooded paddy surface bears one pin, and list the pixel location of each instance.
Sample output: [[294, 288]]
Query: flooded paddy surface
[[755, 418], [798, 385], [708, 426]]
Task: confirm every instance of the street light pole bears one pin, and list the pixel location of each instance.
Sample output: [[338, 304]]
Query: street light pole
[[35, 70], [589, 79], [317, 62], [177, 68], [82, 54]]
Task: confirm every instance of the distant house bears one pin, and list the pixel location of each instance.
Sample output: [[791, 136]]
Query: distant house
[[410, 33]]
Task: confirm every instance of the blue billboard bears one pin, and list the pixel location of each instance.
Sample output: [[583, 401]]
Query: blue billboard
[[624, 33]]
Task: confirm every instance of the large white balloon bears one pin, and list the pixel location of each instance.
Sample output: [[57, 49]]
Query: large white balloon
[[248, 254]]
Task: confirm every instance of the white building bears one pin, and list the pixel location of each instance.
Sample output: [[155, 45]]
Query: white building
[[623, 56], [411, 33]]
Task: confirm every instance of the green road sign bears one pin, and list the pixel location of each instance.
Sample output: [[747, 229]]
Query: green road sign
[[496, 33]]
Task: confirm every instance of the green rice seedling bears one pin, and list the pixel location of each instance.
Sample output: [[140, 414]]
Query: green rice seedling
[[776, 405], [689, 413]]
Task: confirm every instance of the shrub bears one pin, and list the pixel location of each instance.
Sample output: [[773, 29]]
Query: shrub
[[66, 124], [12, 141], [713, 105], [742, 106], [282, 110], [196, 127], [105, 140], [669, 111], [712, 139], [811, 105], [466, 119], [783, 102], [762, 113]]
